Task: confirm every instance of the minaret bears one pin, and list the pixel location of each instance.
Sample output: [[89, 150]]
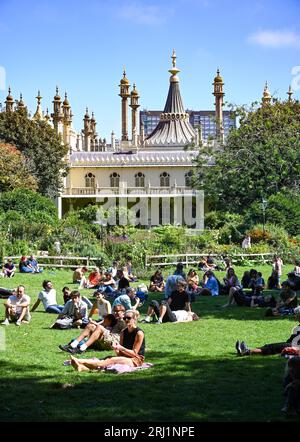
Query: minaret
[[124, 94], [219, 95], [87, 130], [266, 99], [134, 104], [290, 93], [38, 116], [113, 141], [9, 103], [21, 105], [57, 115], [47, 116], [66, 119]]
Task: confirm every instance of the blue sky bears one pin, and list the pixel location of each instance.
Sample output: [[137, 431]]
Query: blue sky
[[83, 46]]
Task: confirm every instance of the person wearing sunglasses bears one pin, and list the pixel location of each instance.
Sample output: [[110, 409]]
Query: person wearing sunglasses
[[130, 351]]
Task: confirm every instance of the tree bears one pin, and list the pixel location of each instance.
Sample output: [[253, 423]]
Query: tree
[[260, 158], [14, 171], [40, 145], [27, 202]]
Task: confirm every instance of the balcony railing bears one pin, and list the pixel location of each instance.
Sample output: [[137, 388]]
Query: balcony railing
[[120, 191]]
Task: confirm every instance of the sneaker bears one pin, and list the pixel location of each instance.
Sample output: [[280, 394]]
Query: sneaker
[[6, 322], [244, 349], [75, 351], [146, 320], [159, 322], [238, 348], [64, 347], [18, 323]]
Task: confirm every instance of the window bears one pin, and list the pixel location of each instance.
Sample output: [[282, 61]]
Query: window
[[188, 178], [90, 180], [140, 180], [164, 179], [114, 180]]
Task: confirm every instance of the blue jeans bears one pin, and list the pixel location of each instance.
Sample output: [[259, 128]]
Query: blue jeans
[[57, 309]]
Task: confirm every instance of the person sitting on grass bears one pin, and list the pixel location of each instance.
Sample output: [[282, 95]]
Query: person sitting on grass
[[101, 305], [9, 269], [292, 387], [94, 279], [66, 294], [210, 286], [17, 307], [287, 301], [179, 270], [178, 300], [74, 314], [231, 281], [122, 280], [246, 279], [79, 277], [193, 280], [127, 298], [24, 267], [273, 280], [98, 335], [157, 283], [48, 298], [130, 351], [107, 284], [33, 264], [272, 349]]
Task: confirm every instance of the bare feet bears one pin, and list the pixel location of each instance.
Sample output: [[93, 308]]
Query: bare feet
[[77, 365]]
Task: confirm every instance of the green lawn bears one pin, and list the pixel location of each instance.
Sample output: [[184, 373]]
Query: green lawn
[[196, 375]]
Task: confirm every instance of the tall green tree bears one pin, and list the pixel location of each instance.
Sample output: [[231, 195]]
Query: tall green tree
[[260, 158], [40, 145], [14, 173]]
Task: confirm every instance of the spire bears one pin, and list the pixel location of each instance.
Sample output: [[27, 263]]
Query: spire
[[47, 116], [290, 93], [9, 101], [266, 99], [38, 113], [124, 94], [134, 104], [174, 128], [174, 71], [219, 96], [21, 104], [57, 114]]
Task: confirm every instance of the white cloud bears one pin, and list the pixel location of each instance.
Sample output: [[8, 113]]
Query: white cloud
[[276, 39], [145, 15]]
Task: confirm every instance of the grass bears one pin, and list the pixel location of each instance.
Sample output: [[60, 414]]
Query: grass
[[196, 375]]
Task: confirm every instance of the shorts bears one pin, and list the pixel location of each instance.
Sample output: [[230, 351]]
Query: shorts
[[106, 341]]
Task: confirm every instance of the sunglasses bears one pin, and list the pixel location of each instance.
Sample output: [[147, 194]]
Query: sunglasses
[[127, 318]]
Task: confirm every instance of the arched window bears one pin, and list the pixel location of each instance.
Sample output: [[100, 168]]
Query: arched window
[[188, 178], [140, 180], [90, 180], [114, 180], [164, 179]]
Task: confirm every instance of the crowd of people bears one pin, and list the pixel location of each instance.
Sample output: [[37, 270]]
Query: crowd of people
[[116, 304]]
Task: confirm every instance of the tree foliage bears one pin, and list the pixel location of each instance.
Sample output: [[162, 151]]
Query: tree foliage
[[260, 158], [40, 145], [14, 172]]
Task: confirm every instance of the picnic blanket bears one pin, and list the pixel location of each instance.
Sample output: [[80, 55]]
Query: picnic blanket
[[119, 368]]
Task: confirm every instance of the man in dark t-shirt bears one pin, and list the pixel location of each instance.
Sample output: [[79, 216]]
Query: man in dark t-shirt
[[178, 300]]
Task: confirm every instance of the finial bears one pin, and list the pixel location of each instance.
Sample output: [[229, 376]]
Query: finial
[[266, 85], [290, 93], [56, 90], [38, 97], [124, 72], [66, 95], [174, 58], [21, 96], [9, 90]]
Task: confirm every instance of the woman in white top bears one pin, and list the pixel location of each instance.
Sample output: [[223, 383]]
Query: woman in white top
[[48, 298], [102, 305]]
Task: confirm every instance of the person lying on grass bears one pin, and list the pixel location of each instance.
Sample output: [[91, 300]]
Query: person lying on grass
[[272, 349], [130, 351], [99, 336]]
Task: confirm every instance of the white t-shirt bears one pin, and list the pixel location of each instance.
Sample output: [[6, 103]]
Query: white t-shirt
[[181, 315], [48, 298], [102, 309], [15, 301]]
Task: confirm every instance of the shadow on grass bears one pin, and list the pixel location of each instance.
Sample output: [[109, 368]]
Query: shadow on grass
[[182, 388]]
